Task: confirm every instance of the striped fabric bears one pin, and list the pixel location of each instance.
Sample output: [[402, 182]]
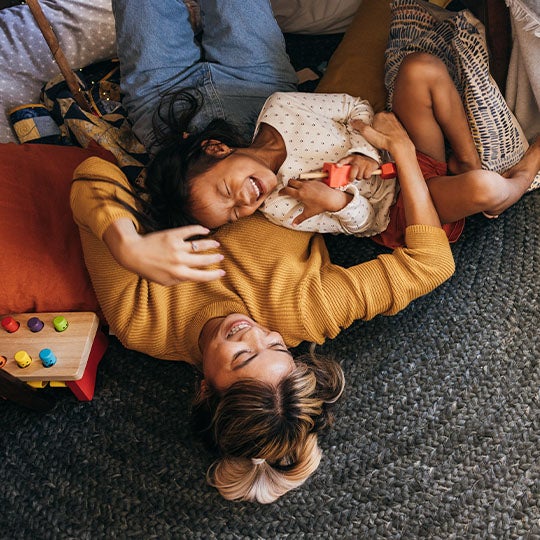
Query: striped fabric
[[459, 40]]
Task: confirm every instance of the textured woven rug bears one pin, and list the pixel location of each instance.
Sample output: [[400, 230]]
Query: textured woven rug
[[437, 436]]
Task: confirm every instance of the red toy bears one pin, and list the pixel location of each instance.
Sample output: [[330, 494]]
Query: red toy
[[387, 170], [338, 176]]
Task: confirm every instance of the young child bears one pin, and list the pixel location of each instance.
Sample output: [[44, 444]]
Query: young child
[[211, 180]]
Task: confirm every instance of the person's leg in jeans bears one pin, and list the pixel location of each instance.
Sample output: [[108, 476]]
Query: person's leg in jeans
[[157, 53], [245, 51]]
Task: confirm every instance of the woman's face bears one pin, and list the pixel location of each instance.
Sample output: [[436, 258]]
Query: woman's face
[[236, 347], [231, 189]]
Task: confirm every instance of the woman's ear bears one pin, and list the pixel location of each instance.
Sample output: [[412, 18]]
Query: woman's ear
[[216, 148]]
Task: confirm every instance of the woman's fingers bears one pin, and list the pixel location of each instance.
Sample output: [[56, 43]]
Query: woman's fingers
[[199, 260], [194, 274], [201, 245]]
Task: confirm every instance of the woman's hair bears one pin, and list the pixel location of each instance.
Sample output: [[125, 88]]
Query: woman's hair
[[163, 202], [266, 434]]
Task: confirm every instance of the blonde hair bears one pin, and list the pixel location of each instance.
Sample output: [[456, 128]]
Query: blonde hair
[[267, 435], [239, 479]]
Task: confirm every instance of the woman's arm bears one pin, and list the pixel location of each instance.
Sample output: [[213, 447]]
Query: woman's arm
[[165, 257], [388, 133]]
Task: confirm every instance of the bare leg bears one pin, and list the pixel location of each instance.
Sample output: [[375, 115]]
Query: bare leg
[[430, 108], [469, 193]]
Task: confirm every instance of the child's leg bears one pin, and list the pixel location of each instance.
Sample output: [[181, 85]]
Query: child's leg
[[156, 49], [475, 191], [430, 108]]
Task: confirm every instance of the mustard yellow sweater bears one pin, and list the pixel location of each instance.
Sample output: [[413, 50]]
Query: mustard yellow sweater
[[281, 278]]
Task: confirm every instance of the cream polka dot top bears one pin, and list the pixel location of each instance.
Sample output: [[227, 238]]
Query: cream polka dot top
[[315, 128]]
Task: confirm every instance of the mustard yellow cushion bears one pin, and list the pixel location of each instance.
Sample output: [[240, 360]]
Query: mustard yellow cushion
[[357, 65]]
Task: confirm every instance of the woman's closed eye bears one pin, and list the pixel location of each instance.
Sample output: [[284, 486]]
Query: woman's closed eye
[[247, 355]]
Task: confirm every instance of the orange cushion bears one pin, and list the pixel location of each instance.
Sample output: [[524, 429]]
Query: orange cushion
[[41, 261], [357, 65]]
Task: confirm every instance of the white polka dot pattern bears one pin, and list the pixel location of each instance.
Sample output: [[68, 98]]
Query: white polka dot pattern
[[85, 30], [315, 128]]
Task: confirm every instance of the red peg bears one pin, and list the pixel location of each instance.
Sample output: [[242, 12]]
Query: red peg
[[331, 174], [9, 324]]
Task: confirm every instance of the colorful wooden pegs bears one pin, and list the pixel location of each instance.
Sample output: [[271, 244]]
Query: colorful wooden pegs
[[9, 324], [338, 176]]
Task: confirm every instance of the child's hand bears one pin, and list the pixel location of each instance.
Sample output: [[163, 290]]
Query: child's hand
[[316, 197], [361, 166]]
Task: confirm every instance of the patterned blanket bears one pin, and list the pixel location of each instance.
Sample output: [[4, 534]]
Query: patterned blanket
[[106, 124]]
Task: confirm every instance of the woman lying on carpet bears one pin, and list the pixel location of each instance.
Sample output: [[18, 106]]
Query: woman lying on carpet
[[263, 407]]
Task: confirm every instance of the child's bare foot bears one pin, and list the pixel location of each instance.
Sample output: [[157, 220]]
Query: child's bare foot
[[528, 166], [458, 166]]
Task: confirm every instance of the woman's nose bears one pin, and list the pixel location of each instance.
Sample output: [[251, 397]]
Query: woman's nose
[[258, 336]]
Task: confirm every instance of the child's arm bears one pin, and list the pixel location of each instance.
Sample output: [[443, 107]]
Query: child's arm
[[305, 205], [360, 111]]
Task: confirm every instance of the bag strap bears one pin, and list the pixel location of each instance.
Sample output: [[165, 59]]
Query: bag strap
[[73, 82]]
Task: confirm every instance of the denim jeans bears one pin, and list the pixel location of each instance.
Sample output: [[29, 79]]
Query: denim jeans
[[240, 62]]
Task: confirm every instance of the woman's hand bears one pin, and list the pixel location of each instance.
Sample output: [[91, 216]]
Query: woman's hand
[[165, 257], [361, 166], [388, 133], [385, 133], [316, 197]]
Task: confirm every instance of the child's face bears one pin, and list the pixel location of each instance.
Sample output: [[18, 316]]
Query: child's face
[[232, 189]]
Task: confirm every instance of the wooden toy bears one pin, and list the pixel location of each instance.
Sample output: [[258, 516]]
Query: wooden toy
[[338, 176], [387, 170], [64, 352]]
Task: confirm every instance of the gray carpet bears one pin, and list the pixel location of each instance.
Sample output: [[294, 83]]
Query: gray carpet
[[437, 435]]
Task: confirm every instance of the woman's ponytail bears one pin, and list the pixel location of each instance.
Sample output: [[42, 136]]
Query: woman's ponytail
[[244, 479]]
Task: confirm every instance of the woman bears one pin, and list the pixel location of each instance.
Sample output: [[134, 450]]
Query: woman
[[277, 288]]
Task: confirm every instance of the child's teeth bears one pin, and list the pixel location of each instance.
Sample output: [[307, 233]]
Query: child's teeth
[[255, 187]]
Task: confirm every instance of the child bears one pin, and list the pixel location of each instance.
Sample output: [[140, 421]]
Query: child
[[210, 179]]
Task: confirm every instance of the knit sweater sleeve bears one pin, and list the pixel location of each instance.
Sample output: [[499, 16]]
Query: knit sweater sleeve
[[96, 183], [384, 285]]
